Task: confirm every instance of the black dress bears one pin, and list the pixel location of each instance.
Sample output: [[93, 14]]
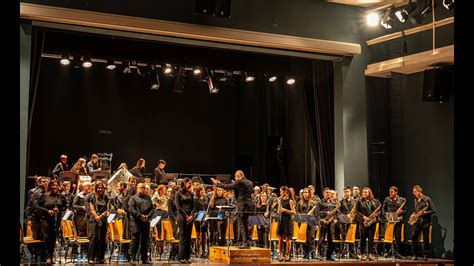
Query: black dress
[[285, 226], [201, 205]]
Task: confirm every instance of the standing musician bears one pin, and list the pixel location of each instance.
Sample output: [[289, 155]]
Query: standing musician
[[184, 201], [356, 192], [395, 204], [159, 171], [243, 196], [325, 211], [140, 208], [348, 208], [98, 205], [306, 206], [286, 209], [32, 213], [67, 193], [60, 167], [424, 208], [262, 230], [218, 228], [81, 209], [139, 169], [201, 204], [51, 205], [367, 209]]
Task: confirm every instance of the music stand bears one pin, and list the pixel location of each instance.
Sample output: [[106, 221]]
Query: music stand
[[100, 174], [392, 217], [68, 176], [342, 218], [170, 177], [223, 178], [200, 216]]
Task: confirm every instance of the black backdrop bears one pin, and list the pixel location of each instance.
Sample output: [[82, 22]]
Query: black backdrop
[[80, 111]]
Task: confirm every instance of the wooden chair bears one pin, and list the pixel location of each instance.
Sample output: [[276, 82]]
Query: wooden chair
[[76, 241], [388, 238], [350, 239], [231, 231], [301, 236], [158, 238], [254, 233], [168, 237], [117, 238], [27, 240]]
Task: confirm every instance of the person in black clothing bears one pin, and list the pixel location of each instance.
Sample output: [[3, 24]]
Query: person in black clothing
[[366, 209], [139, 169], [347, 208], [424, 207], [392, 204], [51, 205], [140, 208], [93, 164], [243, 196], [184, 202], [286, 208], [262, 230], [325, 207], [67, 194], [159, 171], [201, 204], [121, 205], [80, 167], [34, 215], [304, 206], [218, 228], [60, 167], [98, 206], [81, 209]]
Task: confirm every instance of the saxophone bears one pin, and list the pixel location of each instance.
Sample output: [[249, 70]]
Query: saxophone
[[415, 217], [372, 217], [331, 215], [399, 209], [351, 214]]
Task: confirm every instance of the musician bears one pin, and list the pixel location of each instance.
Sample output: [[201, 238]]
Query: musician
[[51, 206], [262, 230], [424, 207], [293, 194], [347, 208], [325, 210], [139, 169], [140, 209], [98, 206], [242, 188], [81, 209], [201, 204], [93, 164], [184, 201], [286, 209], [33, 214], [67, 194], [356, 192], [218, 228], [60, 167], [159, 171], [335, 225], [256, 194], [367, 208], [392, 204], [312, 194], [80, 167], [305, 206]]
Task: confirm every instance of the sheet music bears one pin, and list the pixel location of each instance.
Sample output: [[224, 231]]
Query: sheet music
[[111, 218], [67, 215], [155, 221]]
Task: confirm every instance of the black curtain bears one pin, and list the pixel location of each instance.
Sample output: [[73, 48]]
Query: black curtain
[[319, 101]]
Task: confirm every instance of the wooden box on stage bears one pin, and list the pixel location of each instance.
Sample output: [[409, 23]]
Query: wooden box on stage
[[236, 255]]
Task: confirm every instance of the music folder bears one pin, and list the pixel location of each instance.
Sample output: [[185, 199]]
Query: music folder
[[257, 220], [111, 218], [155, 221], [200, 216], [67, 215]]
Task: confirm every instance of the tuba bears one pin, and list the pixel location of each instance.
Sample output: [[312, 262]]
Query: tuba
[[372, 217], [122, 175]]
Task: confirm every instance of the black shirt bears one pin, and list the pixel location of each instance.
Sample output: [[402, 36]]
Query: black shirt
[[49, 202], [323, 207], [366, 208], [184, 202], [425, 201], [100, 204], [220, 201], [138, 205], [159, 173], [59, 168], [392, 205], [79, 202], [347, 205], [242, 189]]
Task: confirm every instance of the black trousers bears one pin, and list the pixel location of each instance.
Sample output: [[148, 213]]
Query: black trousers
[[140, 236], [418, 228], [309, 245], [184, 235], [367, 232], [97, 240], [262, 236], [36, 229], [49, 231], [243, 212], [80, 220], [326, 229], [397, 232], [218, 232], [344, 228]]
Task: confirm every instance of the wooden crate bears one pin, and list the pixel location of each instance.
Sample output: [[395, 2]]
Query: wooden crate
[[236, 255]]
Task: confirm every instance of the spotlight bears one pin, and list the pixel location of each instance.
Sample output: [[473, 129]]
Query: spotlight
[[403, 15], [418, 18], [388, 18], [272, 78], [197, 71], [373, 19], [65, 59], [154, 78], [110, 64], [290, 81], [86, 62], [168, 69], [249, 78], [448, 4]]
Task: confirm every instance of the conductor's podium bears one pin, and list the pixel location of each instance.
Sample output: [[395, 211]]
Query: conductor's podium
[[236, 255]]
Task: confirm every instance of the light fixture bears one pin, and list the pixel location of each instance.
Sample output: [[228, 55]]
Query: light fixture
[[272, 78], [86, 61], [65, 59], [448, 4], [111, 64], [249, 78], [373, 19], [403, 14], [197, 71], [168, 69], [427, 9], [388, 18], [154, 78], [290, 81], [210, 84], [179, 80]]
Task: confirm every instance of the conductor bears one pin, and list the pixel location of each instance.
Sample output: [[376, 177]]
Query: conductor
[[243, 195]]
